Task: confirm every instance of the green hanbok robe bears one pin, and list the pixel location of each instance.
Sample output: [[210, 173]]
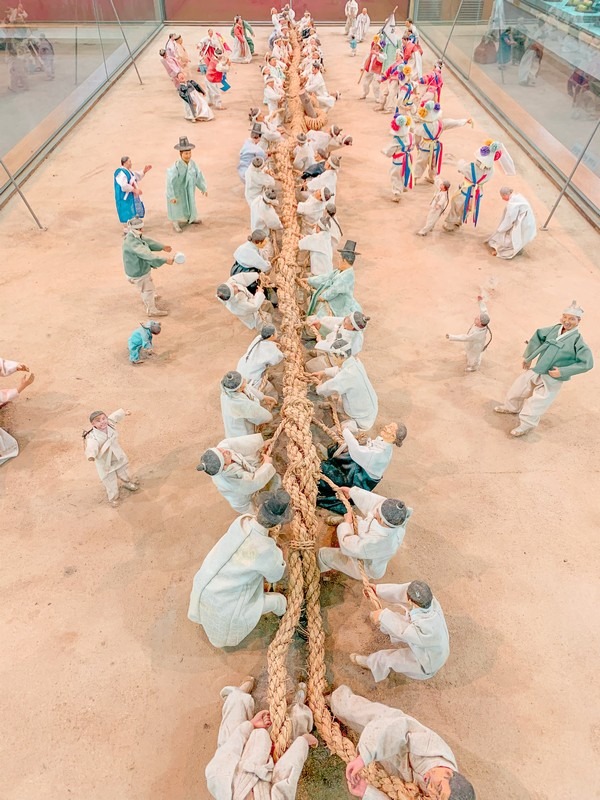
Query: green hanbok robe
[[567, 352], [182, 181], [248, 34], [334, 295]]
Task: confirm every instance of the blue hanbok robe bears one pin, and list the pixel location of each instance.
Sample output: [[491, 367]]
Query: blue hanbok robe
[[140, 339], [250, 150], [128, 204]]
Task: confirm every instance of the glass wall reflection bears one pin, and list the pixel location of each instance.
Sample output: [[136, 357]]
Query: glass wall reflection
[[253, 11], [537, 63], [49, 69]]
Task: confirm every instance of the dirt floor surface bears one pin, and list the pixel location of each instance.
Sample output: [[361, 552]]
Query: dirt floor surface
[[108, 690]]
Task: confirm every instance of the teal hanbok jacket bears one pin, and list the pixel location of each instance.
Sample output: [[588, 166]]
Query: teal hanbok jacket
[[569, 353]]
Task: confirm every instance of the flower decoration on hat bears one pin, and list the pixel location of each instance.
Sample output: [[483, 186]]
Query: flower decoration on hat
[[399, 121], [428, 107]]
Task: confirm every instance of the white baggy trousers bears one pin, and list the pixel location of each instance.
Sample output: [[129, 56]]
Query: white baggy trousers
[[367, 84], [433, 216], [147, 289], [530, 396], [238, 708], [354, 711], [111, 481]]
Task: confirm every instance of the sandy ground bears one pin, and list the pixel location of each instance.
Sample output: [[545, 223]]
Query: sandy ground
[[109, 691]]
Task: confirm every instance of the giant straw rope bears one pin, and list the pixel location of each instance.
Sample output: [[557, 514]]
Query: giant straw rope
[[300, 479]]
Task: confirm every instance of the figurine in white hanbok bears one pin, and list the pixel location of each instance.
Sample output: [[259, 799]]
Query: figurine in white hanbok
[[228, 596], [409, 750], [476, 338], [517, 227], [9, 447], [416, 624], [239, 469], [243, 767], [380, 532], [102, 446]]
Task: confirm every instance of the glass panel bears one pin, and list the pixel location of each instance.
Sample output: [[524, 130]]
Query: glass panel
[[537, 64], [38, 11], [323, 10], [49, 68]]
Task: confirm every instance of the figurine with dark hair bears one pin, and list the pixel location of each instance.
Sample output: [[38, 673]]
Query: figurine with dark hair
[[415, 625]]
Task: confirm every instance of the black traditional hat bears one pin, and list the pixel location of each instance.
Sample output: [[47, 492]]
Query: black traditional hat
[[232, 380], [393, 513], [211, 462], [420, 593], [184, 144], [274, 508], [349, 250]]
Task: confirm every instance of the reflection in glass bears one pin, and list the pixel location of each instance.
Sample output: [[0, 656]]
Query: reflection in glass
[[537, 63], [50, 69]]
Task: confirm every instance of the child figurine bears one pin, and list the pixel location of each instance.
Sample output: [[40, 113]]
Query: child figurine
[[436, 208], [101, 444], [401, 150], [475, 338], [223, 64], [353, 45], [141, 339]]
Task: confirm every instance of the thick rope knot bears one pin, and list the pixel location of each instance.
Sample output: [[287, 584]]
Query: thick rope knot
[[295, 544]]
